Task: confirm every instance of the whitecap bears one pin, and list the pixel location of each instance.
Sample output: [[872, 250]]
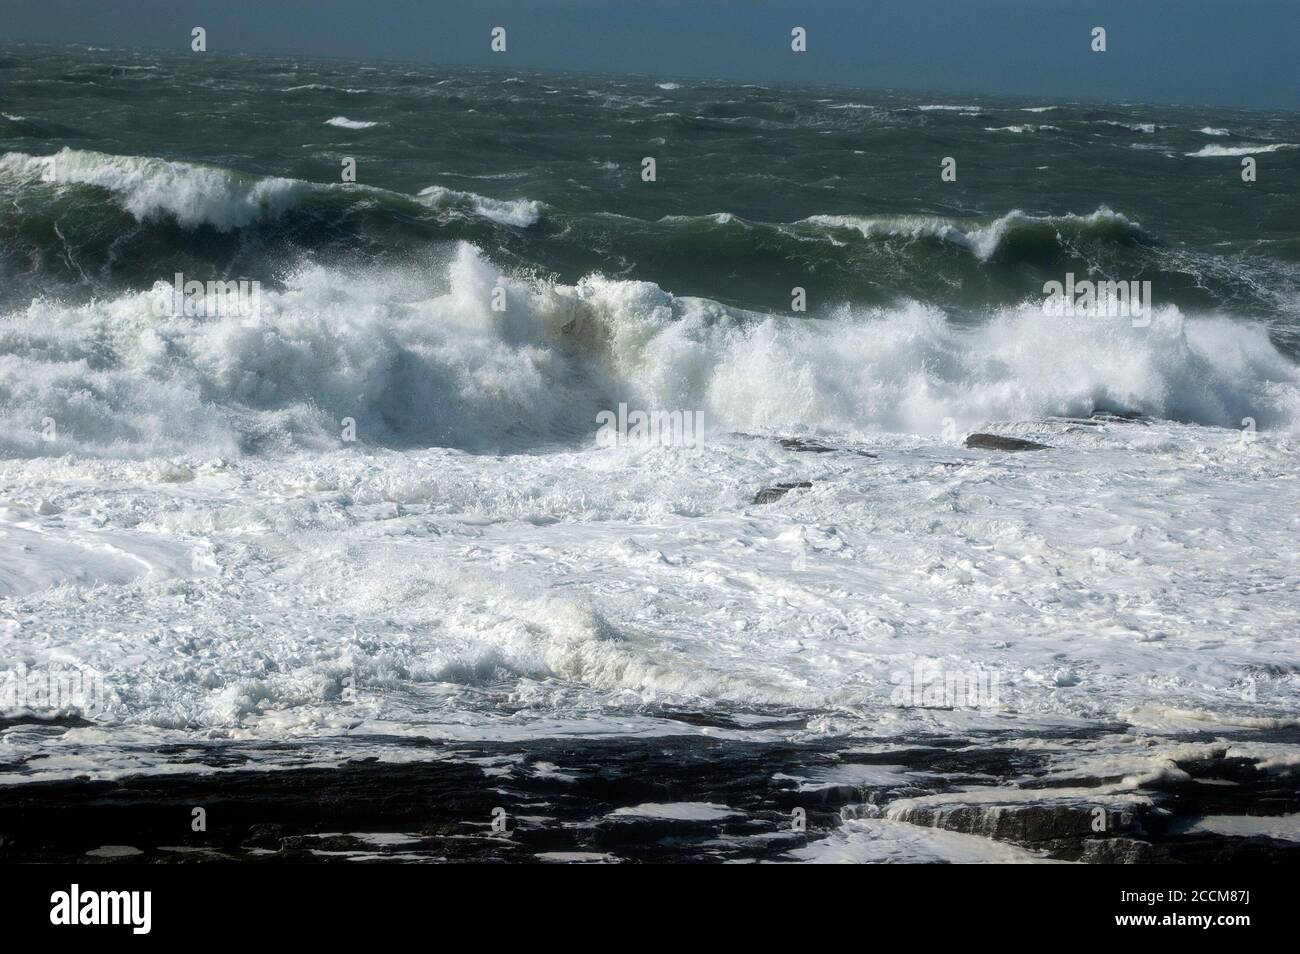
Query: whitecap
[[345, 123], [1247, 150]]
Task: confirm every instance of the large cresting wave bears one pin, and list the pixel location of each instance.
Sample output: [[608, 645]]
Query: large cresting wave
[[419, 358], [197, 194]]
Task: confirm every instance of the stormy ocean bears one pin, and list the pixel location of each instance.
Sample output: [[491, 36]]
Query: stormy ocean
[[358, 564]]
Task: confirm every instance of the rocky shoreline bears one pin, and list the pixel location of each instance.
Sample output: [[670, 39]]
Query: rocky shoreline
[[685, 798]]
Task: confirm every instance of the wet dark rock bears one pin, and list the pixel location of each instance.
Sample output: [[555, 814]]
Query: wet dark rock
[[810, 447], [58, 721], [772, 494], [1025, 824], [443, 809], [998, 442], [813, 447], [1121, 415], [263, 836], [562, 797]]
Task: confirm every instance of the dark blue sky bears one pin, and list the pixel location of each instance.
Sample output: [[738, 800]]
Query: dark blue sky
[[1225, 52]]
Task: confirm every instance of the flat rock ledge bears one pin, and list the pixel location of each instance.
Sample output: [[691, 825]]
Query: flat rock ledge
[[998, 442]]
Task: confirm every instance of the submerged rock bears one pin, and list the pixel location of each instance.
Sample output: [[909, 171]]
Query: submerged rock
[[771, 494], [813, 447], [1121, 417], [998, 442], [810, 447]]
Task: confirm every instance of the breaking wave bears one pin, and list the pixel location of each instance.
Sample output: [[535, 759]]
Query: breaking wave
[[1013, 230], [194, 194], [1246, 150], [149, 188], [419, 360], [345, 123]]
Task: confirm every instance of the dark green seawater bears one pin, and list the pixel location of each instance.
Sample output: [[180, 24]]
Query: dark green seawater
[[759, 189]]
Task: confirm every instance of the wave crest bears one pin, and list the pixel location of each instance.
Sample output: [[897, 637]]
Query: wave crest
[[425, 360], [517, 212], [986, 240], [194, 194], [149, 188]]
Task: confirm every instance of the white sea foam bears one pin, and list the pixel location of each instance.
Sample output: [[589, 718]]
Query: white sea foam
[[345, 123], [1277, 827], [586, 579], [1027, 127], [346, 594], [322, 87], [197, 506], [1246, 150], [879, 841], [676, 811], [1213, 131]]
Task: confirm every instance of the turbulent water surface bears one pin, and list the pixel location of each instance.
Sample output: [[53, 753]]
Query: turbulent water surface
[[181, 514]]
